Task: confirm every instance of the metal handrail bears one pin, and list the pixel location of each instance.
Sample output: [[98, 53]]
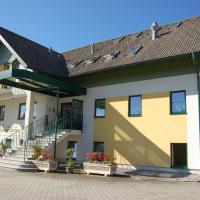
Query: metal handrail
[[36, 131]]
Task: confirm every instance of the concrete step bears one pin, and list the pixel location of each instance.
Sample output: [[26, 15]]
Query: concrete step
[[26, 166]]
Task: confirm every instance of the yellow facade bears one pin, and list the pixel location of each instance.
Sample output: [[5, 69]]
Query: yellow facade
[[141, 140]]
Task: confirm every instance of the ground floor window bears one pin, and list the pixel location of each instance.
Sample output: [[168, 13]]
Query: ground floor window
[[34, 110], [2, 112], [98, 147], [73, 144], [179, 155], [22, 111], [9, 143]]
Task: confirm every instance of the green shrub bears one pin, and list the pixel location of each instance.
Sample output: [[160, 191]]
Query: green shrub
[[69, 157]]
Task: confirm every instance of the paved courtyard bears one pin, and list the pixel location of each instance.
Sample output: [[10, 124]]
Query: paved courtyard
[[33, 186]]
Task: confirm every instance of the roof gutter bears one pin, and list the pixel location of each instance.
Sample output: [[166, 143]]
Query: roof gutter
[[198, 82]]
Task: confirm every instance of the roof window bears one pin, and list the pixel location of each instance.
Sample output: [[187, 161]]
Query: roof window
[[92, 60], [134, 50], [112, 55], [76, 63], [178, 24]]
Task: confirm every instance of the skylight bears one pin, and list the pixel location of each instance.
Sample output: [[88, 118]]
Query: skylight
[[92, 60], [178, 24], [120, 39], [75, 64], [137, 34], [112, 55], [134, 50]]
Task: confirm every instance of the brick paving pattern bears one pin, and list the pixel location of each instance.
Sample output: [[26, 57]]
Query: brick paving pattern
[[55, 186]]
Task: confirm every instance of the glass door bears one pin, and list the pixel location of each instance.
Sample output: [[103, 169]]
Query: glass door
[[66, 113]]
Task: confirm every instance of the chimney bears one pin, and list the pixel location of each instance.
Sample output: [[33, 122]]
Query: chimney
[[50, 49], [154, 28], [92, 49]]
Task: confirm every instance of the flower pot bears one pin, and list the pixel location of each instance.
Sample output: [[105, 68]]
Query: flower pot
[[47, 166], [99, 168], [69, 170]]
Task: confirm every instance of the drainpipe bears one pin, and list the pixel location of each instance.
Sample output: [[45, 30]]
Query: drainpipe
[[198, 83], [56, 125]]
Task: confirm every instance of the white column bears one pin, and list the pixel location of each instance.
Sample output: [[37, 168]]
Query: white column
[[193, 138], [30, 100]]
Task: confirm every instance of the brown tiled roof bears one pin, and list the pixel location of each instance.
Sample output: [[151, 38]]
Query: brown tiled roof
[[36, 56], [171, 41]]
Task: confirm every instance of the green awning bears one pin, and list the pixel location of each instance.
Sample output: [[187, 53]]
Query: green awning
[[40, 83]]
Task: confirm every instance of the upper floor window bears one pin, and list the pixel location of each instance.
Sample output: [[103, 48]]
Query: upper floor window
[[100, 108], [2, 112], [22, 111], [178, 102], [135, 106]]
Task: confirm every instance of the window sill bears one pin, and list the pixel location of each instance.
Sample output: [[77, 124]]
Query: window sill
[[181, 113], [135, 115], [96, 117]]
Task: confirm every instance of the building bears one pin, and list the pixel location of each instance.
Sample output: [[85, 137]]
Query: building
[[136, 96]]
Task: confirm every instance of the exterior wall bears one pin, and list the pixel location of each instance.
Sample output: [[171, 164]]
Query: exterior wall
[[141, 140], [160, 86], [11, 124]]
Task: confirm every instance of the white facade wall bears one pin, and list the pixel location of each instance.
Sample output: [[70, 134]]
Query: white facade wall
[[46, 105]]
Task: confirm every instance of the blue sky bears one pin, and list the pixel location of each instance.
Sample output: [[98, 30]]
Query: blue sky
[[68, 24]]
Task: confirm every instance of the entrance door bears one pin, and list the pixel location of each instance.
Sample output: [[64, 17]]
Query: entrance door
[[73, 144], [66, 112], [179, 155], [77, 114]]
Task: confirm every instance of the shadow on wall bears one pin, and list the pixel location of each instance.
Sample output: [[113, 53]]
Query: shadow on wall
[[129, 144]]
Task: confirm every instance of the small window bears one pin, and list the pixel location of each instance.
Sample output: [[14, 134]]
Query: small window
[[34, 110], [98, 147], [2, 112], [134, 50], [22, 111], [76, 63], [92, 60], [112, 55], [178, 102], [135, 106], [99, 108]]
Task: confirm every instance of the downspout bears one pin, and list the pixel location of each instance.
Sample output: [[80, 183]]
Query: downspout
[[198, 83]]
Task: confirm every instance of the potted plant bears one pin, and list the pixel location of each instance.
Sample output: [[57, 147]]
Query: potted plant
[[69, 158], [100, 163], [37, 149], [4, 147], [45, 161]]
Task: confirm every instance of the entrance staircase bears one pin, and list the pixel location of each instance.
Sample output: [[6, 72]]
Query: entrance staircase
[[20, 150]]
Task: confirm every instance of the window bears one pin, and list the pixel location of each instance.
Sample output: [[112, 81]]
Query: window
[[92, 60], [178, 102], [135, 106], [98, 147], [99, 108], [76, 63], [22, 111], [2, 112], [34, 110], [134, 50], [112, 55]]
